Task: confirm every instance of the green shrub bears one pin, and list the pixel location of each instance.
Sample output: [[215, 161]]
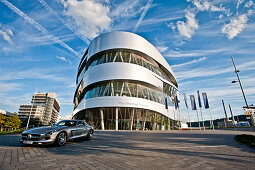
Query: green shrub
[[246, 139], [11, 132]]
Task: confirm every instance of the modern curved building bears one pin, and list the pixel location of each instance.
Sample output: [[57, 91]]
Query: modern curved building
[[124, 83]]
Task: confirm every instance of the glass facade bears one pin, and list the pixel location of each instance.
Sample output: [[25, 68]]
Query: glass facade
[[121, 56], [138, 87], [126, 119], [129, 89]]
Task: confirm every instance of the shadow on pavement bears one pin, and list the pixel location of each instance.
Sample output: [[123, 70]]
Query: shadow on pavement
[[137, 143]]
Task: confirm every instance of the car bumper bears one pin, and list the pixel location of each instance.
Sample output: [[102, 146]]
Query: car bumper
[[38, 142]]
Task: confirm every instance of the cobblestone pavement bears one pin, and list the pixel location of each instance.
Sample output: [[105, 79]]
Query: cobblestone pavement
[[133, 150]]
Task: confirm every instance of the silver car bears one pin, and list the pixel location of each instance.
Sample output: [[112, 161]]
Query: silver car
[[57, 134]]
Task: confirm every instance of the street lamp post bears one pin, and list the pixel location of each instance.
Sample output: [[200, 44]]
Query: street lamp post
[[29, 117], [236, 71]]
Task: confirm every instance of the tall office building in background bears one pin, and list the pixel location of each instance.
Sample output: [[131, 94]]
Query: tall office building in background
[[45, 108], [124, 83]]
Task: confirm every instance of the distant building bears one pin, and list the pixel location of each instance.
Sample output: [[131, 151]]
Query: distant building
[[66, 117], [221, 122], [6, 113], [2, 112], [44, 108], [251, 112]]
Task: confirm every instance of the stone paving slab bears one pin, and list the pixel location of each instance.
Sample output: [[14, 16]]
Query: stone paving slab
[[133, 150]]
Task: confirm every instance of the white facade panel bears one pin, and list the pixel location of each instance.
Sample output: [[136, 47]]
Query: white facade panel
[[120, 101], [126, 40], [123, 71]]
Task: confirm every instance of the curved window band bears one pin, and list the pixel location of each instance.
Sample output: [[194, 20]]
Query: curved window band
[[125, 57], [122, 88]]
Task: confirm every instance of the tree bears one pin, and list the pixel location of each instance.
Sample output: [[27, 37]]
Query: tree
[[2, 121], [13, 122], [16, 121]]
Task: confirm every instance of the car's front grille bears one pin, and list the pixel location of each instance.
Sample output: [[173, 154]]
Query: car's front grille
[[33, 137]]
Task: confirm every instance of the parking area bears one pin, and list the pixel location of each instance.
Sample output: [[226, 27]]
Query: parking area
[[134, 150]]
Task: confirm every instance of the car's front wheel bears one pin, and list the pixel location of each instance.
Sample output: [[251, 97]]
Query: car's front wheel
[[61, 139], [90, 135]]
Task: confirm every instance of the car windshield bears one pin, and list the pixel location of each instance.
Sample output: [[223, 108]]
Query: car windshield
[[66, 123]]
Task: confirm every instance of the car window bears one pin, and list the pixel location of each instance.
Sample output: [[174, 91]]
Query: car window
[[79, 123], [66, 123], [71, 123], [60, 123]]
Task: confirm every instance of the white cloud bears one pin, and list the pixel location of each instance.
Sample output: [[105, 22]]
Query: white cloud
[[7, 35], [146, 8], [239, 2], [250, 12], [231, 30], [190, 62], [39, 27], [35, 39], [155, 20], [66, 117], [202, 5], [162, 48], [187, 28], [36, 73], [235, 26], [10, 32], [69, 26], [218, 9], [64, 59], [90, 16], [6, 87], [207, 72], [248, 4], [172, 53], [196, 53], [126, 9], [7, 101]]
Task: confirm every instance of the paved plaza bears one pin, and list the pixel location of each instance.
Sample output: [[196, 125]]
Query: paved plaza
[[134, 150]]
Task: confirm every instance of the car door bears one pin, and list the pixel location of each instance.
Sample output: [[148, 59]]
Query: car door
[[72, 127], [79, 128], [85, 128]]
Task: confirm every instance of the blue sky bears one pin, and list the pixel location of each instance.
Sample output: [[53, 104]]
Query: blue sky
[[42, 41]]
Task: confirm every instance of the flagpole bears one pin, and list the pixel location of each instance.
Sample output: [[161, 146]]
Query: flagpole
[[28, 120], [198, 120], [29, 117], [212, 124], [189, 120], [200, 106], [169, 124], [206, 104], [179, 113], [186, 103], [194, 107], [174, 119], [202, 117], [226, 115]]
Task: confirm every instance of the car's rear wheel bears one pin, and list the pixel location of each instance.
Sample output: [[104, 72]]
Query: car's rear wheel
[[61, 139], [90, 135]]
